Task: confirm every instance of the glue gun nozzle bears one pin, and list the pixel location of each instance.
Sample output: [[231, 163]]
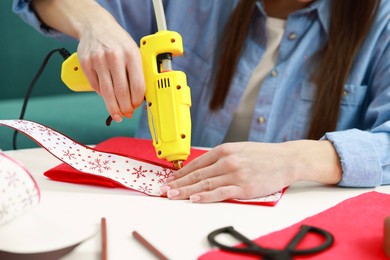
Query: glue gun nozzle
[[177, 164]]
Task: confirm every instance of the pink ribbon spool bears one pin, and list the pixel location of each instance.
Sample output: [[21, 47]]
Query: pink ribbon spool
[[18, 189]]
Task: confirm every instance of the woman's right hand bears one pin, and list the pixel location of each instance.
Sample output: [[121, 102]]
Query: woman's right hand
[[108, 55], [111, 61]]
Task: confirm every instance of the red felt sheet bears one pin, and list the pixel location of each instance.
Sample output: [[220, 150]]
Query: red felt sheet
[[357, 225]]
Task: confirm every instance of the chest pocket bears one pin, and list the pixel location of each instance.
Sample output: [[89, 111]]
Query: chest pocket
[[197, 70], [352, 102]]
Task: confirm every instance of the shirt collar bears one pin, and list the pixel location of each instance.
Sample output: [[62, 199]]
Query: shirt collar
[[321, 7]]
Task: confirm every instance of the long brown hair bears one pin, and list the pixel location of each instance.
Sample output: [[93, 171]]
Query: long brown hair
[[350, 22]]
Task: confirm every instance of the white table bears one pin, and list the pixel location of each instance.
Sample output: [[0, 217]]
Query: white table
[[177, 228]]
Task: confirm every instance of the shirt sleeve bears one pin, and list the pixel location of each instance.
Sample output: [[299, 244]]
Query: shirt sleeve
[[25, 11], [365, 153], [360, 160], [135, 16]]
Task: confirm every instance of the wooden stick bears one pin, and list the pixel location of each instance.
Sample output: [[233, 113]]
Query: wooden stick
[[149, 246], [104, 238], [386, 237]]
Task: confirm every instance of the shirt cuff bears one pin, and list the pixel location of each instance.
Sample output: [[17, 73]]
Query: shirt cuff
[[359, 160]]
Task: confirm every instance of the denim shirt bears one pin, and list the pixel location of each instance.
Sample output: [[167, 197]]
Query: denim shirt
[[285, 99]]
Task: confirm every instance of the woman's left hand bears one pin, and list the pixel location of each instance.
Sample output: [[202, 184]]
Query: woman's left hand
[[248, 170]]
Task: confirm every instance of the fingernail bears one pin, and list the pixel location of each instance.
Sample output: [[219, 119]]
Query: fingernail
[[194, 198], [164, 189], [117, 118], [129, 115], [169, 179], [172, 193]]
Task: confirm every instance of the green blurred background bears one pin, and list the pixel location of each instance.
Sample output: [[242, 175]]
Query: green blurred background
[[22, 52]]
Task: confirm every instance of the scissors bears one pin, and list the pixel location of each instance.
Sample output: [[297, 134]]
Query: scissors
[[273, 254]]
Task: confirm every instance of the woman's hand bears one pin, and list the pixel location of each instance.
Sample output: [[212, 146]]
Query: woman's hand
[[108, 55], [250, 170], [112, 63]]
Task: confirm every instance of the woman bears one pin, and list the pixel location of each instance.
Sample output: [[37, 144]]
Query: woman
[[306, 82]]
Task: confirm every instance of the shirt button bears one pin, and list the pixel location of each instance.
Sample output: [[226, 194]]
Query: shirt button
[[274, 73], [261, 120], [292, 36], [345, 93]]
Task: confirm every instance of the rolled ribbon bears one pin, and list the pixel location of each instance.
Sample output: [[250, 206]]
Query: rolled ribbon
[[18, 189]]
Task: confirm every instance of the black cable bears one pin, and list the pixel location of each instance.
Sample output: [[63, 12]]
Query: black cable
[[65, 54], [108, 121]]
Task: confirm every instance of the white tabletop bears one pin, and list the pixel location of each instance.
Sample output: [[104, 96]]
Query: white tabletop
[[177, 228]]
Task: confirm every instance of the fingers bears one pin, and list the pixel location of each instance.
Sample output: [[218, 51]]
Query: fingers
[[106, 87], [120, 84], [176, 191], [128, 81], [219, 194], [204, 180], [117, 76], [207, 190], [136, 79], [203, 161], [90, 73], [199, 169]]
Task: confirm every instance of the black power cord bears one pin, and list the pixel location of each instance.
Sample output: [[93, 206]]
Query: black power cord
[[65, 54]]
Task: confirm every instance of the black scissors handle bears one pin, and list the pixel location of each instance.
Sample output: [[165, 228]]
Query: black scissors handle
[[291, 246], [267, 253], [251, 247]]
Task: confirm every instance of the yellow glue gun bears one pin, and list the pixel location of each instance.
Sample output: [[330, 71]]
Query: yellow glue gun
[[168, 98]]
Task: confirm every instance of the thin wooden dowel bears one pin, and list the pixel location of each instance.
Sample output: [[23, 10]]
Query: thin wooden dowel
[[149, 246], [104, 238]]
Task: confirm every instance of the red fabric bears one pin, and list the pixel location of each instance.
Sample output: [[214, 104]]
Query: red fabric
[[357, 225], [140, 149]]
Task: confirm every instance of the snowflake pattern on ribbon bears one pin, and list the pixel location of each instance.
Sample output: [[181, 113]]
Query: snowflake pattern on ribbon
[[130, 173], [141, 176], [18, 190]]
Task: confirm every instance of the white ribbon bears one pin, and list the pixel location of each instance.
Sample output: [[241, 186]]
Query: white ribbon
[[130, 173]]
